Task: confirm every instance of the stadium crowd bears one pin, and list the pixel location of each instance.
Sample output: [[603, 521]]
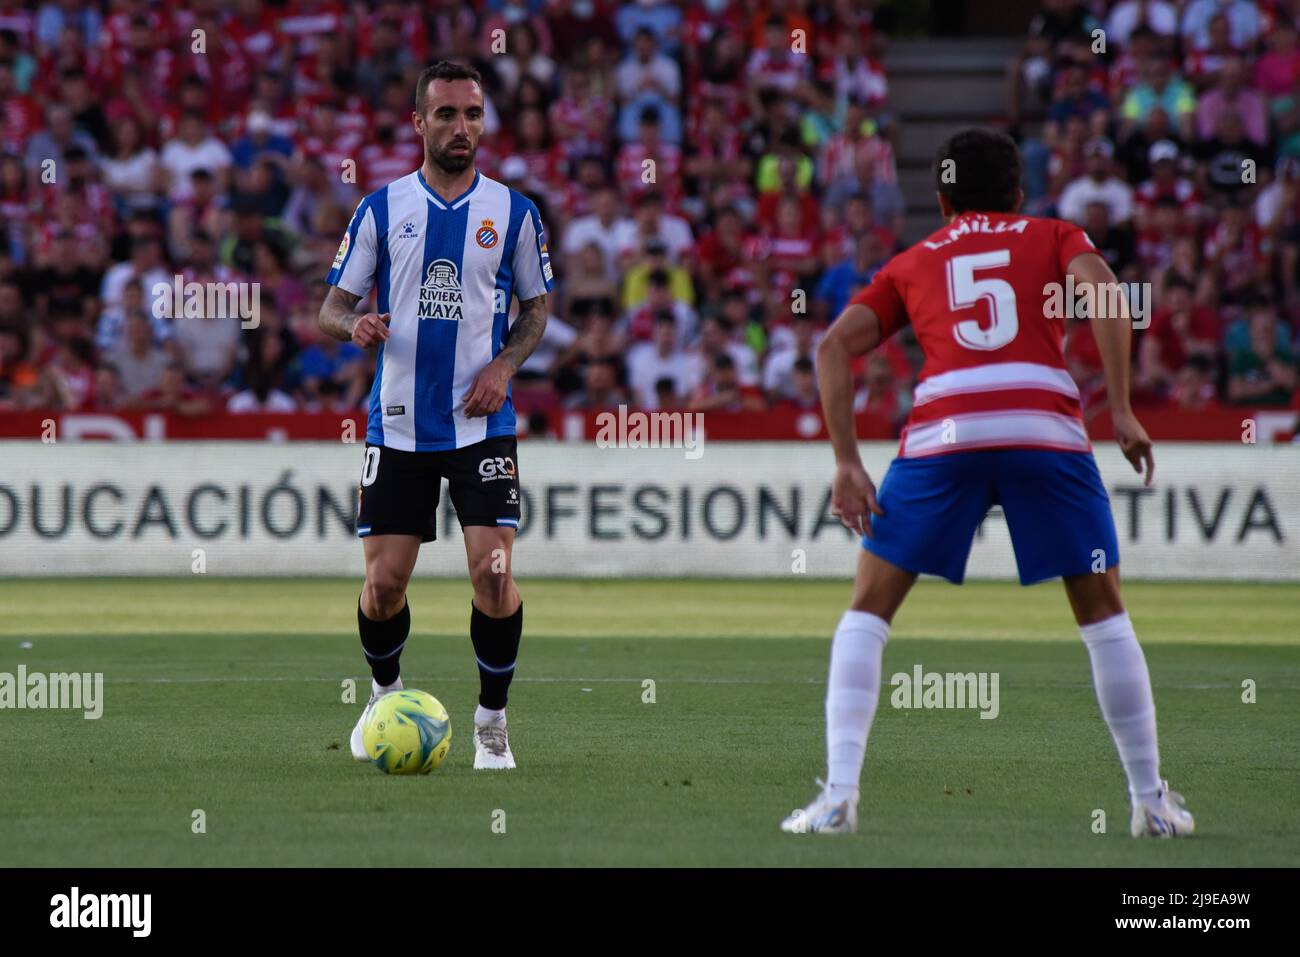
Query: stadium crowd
[[1171, 132], [231, 142], [716, 180]]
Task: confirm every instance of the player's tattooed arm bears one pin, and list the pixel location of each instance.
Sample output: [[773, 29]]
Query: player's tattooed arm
[[339, 320], [488, 393], [526, 332]]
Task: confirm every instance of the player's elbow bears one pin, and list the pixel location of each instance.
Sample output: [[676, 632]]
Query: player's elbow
[[833, 349]]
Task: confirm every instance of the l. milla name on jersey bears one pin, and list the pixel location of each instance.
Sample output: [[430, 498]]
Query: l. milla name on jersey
[[441, 296], [978, 224]]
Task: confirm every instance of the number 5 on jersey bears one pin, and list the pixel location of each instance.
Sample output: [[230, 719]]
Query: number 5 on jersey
[[964, 291]]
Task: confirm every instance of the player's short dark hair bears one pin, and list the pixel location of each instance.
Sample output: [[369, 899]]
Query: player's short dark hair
[[443, 70], [984, 172]]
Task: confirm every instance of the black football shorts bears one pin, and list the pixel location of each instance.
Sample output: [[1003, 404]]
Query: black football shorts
[[399, 490]]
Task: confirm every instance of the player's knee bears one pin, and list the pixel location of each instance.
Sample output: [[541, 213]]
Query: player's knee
[[1094, 597], [385, 594], [493, 586]]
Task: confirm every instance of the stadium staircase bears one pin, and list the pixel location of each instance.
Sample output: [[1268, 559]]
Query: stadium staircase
[[938, 86]]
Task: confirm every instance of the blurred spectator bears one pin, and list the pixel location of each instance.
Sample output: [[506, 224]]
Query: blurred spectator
[[1203, 67], [718, 338], [193, 148], [130, 167], [107, 394], [1076, 99], [651, 220], [68, 376], [1242, 15], [650, 164], [266, 375], [1227, 156], [1125, 16], [1277, 71], [52, 143], [660, 299], [260, 141], [110, 331], [723, 390], [1237, 253], [1230, 95], [1115, 243], [138, 361], [596, 342], [1261, 361], [780, 365], [841, 281], [1165, 183], [720, 255], [880, 393], [327, 371], [64, 284], [648, 84], [173, 395], [587, 280], [600, 386], [1193, 386], [1160, 87], [649, 364], [1178, 331], [1100, 185], [18, 375], [802, 393]]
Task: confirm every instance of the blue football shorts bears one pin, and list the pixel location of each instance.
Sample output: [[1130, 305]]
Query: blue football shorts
[[1055, 505]]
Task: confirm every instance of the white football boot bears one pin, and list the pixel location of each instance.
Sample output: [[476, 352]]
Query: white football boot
[[1165, 817], [376, 692], [824, 815], [492, 746]]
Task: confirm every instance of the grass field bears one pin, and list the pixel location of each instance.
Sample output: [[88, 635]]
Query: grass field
[[225, 696]]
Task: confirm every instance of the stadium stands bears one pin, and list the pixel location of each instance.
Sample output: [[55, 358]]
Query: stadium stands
[[222, 144]]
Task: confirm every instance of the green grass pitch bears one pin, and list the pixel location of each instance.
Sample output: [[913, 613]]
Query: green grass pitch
[[226, 696]]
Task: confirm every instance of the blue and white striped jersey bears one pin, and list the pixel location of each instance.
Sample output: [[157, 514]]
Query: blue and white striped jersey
[[445, 272]]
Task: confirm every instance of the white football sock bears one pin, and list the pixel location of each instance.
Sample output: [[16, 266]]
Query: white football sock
[[851, 694], [484, 715], [1119, 673]]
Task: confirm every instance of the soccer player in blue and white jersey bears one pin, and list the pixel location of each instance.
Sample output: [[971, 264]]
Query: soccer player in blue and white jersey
[[444, 250]]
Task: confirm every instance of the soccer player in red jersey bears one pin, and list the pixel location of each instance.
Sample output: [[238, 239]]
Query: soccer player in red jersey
[[996, 420]]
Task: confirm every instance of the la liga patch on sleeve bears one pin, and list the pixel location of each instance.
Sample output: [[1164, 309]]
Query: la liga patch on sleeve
[[343, 251]]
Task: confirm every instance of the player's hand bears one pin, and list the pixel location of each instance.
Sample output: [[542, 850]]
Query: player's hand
[[488, 393], [1134, 443], [853, 498], [370, 330]]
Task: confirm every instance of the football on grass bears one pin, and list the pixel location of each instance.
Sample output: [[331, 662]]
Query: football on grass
[[408, 732]]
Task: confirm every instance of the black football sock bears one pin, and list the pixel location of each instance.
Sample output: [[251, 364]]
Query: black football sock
[[382, 642], [496, 646]]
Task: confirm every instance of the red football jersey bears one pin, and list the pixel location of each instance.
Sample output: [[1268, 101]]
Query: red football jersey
[[994, 373]]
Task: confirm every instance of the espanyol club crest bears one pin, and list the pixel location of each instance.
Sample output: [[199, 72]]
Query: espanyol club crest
[[486, 235]]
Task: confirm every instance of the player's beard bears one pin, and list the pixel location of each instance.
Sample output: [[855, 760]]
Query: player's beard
[[450, 162]]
